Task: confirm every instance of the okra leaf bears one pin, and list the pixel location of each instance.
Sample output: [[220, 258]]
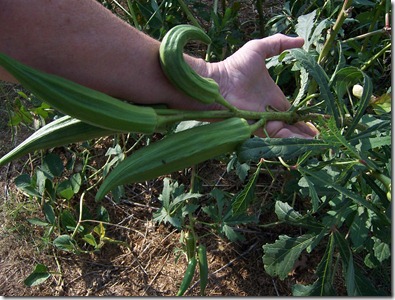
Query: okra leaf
[[304, 27], [285, 212], [317, 72], [323, 286], [256, 148], [279, 257], [231, 234], [356, 283], [247, 195], [325, 179]]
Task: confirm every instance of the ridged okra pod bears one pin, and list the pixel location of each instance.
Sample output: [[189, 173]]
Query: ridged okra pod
[[180, 74], [83, 103], [60, 132], [177, 151]]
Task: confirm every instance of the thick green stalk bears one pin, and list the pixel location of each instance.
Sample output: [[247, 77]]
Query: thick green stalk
[[333, 33], [170, 116]]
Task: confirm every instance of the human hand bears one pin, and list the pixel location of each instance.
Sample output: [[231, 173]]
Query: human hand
[[246, 83]]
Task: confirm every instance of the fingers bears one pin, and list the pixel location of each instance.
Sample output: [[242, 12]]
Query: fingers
[[275, 44], [279, 129]]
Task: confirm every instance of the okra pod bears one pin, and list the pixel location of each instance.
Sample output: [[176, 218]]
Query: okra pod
[[203, 268], [62, 131], [177, 151], [83, 103], [186, 281]]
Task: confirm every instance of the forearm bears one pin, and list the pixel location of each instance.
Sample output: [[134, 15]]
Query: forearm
[[84, 42]]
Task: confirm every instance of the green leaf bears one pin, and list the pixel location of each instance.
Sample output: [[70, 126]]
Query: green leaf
[[279, 258], [65, 189], [381, 250], [285, 212], [76, 181], [52, 166], [247, 195], [231, 234], [357, 284], [67, 220], [323, 286], [304, 27], [64, 242], [256, 148], [317, 72], [38, 276], [49, 213], [163, 215], [315, 200], [359, 228], [38, 222], [24, 183], [90, 239], [325, 179]]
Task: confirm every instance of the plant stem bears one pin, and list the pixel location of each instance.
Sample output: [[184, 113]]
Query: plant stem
[[332, 35], [190, 16], [365, 35], [370, 61], [169, 116], [373, 23]]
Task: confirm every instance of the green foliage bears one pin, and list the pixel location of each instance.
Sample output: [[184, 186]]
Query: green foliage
[[342, 178]]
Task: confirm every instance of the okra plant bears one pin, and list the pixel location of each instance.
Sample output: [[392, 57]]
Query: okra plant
[[345, 173]]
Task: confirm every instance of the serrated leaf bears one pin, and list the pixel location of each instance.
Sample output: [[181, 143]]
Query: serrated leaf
[[38, 276], [323, 286], [285, 212], [325, 179], [315, 200], [359, 230], [318, 73], [357, 284], [162, 215], [256, 148], [231, 234], [246, 196], [304, 27], [279, 257]]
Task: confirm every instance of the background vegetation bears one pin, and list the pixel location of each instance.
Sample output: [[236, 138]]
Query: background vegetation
[[305, 217]]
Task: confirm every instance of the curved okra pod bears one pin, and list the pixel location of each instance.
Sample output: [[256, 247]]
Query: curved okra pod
[[180, 74]]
